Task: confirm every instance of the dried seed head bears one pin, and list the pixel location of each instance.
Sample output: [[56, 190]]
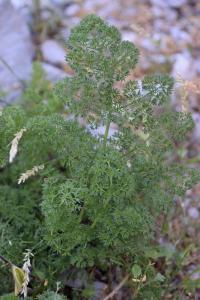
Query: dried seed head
[[14, 144], [27, 270], [30, 173]]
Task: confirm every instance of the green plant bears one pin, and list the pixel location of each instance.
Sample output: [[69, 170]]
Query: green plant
[[51, 296], [8, 297], [91, 200], [48, 295]]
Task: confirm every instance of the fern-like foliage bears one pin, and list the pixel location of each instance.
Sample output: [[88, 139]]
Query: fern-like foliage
[[51, 296], [8, 297], [97, 199]]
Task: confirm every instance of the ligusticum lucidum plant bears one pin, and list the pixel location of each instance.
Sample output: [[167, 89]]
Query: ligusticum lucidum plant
[[95, 200]]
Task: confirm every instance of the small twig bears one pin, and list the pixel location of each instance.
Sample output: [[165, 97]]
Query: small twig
[[106, 133], [22, 82], [4, 260], [117, 288]]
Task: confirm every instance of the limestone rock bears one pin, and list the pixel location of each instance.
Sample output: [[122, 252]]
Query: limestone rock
[[53, 52], [16, 51]]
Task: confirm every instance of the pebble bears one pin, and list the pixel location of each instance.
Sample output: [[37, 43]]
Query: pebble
[[176, 3], [100, 131], [157, 11], [59, 2], [183, 65], [71, 10], [180, 35], [159, 59], [195, 275], [193, 213], [65, 33], [197, 63], [116, 22], [161, 3], [99, 288], [19, 3], [148, 44], [171, 3], [160, 27], [186, 203], [129, 36], [196, 131], [71, 22], [53, 52], [167, 14], [89, 5], [108, 10]]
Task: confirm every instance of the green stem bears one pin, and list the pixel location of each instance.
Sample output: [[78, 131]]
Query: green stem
[[37, 8], [81, 214], [106, 133], [94, 223], [97, 217], [104, 145]]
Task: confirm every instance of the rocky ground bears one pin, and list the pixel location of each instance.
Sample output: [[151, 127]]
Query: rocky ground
[[167, 32]]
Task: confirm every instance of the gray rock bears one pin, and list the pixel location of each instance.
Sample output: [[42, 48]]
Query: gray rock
[[53, 73], [160, 26], [53, 52], [193, 213], [129, 36], [172, 3], [167, 13], [76, 279], [108, 9], [180, 35], [116, 22], [186, 203], [157, 11], [16, 51], [90, 5], [176, 3], [183, 65], [100, 131], [195, 275], [43, 3], [65, 33], [159, 58], [99, 288], [148, 44], [196, 131], [59, 2], [72, 10], [71, 22], [160, 3], [197, 63], [19, 3]]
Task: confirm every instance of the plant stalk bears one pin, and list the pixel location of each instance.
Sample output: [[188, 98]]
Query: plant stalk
[[4, 260], [106, 133], [117, 288]]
